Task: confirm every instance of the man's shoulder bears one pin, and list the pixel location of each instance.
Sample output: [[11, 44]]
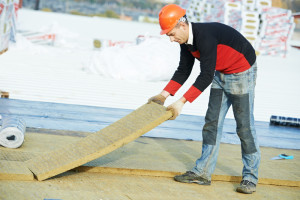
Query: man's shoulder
[[203, 27], [208, 24]]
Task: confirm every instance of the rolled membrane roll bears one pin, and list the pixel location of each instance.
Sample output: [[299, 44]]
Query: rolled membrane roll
[[284, 121]]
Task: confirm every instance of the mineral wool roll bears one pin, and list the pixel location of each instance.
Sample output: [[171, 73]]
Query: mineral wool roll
[[12, 131]]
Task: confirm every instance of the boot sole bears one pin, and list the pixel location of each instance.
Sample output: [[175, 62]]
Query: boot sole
[[244, 192], [193, 181]]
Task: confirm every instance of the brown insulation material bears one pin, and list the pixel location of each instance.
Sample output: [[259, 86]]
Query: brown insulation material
[[101, 143]]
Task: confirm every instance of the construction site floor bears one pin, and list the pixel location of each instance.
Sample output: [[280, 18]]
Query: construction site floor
[[99, 186], [144, 169]]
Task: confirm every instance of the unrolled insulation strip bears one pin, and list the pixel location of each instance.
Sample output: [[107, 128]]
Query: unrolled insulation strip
[[100, 143], [12, 131]]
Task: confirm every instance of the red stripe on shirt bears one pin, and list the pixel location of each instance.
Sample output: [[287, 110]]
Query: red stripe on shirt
[[172, 87], [192, 94], [196, 54]]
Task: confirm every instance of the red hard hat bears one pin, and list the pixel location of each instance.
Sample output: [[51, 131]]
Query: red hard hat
[[169, 16]]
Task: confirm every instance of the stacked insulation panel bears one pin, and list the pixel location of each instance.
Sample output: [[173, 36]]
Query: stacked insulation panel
[[214, 11], [8, 15], [250, 26], [205, 10], [268, 29], [195, 10], [276, 31], [233, 14]]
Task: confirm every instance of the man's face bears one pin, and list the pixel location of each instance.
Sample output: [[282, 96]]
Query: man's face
[[179, 33]]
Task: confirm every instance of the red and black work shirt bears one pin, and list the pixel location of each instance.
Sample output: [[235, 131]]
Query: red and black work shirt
[[218, 47]]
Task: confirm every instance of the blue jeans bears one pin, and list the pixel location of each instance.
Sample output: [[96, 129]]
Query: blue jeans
[[226, 90]]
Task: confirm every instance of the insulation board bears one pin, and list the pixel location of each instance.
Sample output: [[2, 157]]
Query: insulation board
[[100, 143]]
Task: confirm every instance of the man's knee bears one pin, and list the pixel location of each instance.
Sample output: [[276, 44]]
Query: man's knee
[[210, 128], [241, 109]]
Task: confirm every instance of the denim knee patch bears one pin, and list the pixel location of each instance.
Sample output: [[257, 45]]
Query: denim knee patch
[[210, 128], [241, 111]]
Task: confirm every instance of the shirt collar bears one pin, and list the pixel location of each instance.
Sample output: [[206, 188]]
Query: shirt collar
[[190, 40]]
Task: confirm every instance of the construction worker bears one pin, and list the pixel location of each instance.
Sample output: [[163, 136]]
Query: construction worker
[[228, 61]]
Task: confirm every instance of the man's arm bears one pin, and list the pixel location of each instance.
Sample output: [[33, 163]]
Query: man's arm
[[183, 71], [180, 76], [208, 59]]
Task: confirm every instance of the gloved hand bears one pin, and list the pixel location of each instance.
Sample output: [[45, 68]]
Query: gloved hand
[[159, 99], [176, 108]]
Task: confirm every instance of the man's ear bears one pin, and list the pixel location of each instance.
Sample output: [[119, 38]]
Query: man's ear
[[184, 25]]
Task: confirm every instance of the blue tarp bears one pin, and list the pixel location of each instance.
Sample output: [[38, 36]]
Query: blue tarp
[[91, 119]]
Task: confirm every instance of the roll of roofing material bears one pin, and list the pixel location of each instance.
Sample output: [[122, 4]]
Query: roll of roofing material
[[284, 121], [12, 132]]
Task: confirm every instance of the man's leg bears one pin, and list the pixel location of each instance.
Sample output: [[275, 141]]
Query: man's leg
[[243, 112], [243, 105], [212, 133]]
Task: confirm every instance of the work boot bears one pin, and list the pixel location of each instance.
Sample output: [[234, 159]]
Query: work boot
[[246, 187], [191, 177]]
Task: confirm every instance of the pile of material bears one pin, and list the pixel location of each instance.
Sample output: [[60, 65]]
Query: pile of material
[[267, 28], [276, 31], [8, 16]]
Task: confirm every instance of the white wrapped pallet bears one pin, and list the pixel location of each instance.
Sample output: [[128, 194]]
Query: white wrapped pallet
[[276, 29], [271, 45], [7, 22], [262, 4], [250, 21], [195, 10], [214, 11], [250, 26], [207, 16], [2, 25], [2, 12], [9, 19], [249, 5], [15, 8], [268, 29], [268, 26], [275, 14], [232, 16]]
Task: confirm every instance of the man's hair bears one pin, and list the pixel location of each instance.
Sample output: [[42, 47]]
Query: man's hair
[[184, 19]]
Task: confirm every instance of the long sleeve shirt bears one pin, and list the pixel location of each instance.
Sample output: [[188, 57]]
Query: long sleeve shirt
[[218, 47]]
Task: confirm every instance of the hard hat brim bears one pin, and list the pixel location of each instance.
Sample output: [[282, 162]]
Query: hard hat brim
[[162, 32]]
